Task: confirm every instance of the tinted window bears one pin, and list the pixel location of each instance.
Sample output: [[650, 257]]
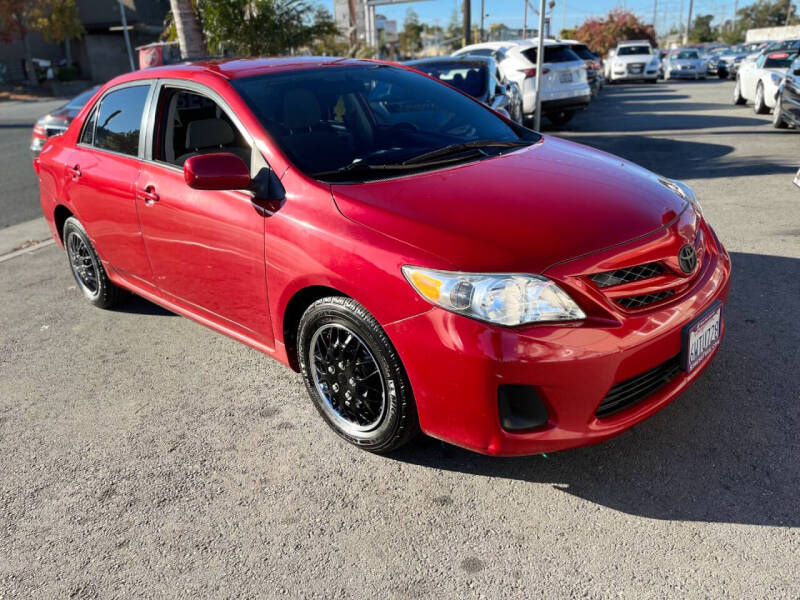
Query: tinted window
[[552, 54], [685, 55], [630, 50], [120, 119], [778, 61], [368, 117], [469, 78], [88, 128], [480, 52], [584, 52]]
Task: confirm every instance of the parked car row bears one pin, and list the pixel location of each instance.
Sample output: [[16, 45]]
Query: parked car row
[[571, 73]]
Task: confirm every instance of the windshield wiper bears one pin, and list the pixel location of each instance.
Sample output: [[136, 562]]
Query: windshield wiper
[[461, 147]]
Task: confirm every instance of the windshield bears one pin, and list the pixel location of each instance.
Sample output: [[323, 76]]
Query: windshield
[[357, 118], [630, 50], [469, 78], [685, 55]]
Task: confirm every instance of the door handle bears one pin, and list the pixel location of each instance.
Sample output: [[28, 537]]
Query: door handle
[[148, 194], [75, 172]]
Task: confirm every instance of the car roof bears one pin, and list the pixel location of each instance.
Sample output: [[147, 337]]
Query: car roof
[[236, 68], [633, 42], [461, 58]]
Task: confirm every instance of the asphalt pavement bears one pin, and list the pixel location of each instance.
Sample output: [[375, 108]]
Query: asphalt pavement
[[144, 456]]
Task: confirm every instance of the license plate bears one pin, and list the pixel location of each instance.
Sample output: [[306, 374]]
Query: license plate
[[566, 78], [701, 337], [636, 69]]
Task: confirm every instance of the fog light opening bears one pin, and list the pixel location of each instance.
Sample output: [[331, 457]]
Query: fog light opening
[[520, 408]]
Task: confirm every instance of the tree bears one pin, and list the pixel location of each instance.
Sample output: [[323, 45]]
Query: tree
[[262, 27], [410, 39], [55, 20], [603, 34], [454, 33], [701, 30], [766, 14], [568, 34], [188, 29]]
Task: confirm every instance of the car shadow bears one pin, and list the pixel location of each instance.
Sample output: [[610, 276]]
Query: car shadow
[[726, 451], [136, 305], [684, 159]]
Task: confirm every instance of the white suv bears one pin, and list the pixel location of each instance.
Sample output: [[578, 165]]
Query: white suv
[[565, 88], [633, 60]]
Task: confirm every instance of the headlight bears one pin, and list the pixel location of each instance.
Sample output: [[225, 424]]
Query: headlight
[[776, 79], [502, 298], [685, 192]]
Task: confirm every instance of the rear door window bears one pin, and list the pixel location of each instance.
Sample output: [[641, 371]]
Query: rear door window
[[119, 120]]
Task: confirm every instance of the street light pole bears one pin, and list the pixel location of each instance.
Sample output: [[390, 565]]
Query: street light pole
[[525, 20], [482, 15], [688, 23], [467, 22], [537, 119], [126, 34]]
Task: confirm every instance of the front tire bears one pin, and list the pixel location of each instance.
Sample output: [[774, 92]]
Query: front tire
[[87, 268], [354, 375], [738, 99], [777, 115], [759, 105]]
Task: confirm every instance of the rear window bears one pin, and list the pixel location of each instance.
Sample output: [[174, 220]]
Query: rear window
[[469, 78], [583, 52], [631, 50], [552, 54], [779, 60], [685, 55]]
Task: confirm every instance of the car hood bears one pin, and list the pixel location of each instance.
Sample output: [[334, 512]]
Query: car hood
[[522, 211]]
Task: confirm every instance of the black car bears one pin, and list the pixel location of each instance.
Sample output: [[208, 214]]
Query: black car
[[787, 102], [477, 76], [57, 121]]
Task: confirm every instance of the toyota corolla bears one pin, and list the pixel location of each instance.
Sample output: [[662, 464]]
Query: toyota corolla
[[424, 262]]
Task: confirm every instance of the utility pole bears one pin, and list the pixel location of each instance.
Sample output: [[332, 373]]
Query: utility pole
[[735, 11], [564, 17], [126, 34], [688, 23], [483, 14], [525, 20], [788, 11], [539, 61], [467, 23], [655, 14]]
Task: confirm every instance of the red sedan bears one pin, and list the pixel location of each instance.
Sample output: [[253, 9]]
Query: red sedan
[[424, 262]]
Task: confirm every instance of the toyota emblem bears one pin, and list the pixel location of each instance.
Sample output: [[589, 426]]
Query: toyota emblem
[[687, 259]]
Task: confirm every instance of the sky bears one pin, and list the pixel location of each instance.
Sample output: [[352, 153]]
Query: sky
[[566, 13]]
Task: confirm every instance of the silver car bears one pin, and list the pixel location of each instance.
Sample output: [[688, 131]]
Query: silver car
[[684, 63]]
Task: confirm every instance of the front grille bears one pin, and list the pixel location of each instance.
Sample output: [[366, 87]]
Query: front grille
[[626, 275], [636, 67], [633, 390], [634, 302]]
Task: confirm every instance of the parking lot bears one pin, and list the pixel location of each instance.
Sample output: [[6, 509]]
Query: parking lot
[[145, 456]]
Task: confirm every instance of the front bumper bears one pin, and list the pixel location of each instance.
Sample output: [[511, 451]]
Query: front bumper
[[456, 365], [685, 74], [624, 75]]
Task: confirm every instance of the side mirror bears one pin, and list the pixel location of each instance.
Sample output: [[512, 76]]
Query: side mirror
[[796, 72], [219, 171]]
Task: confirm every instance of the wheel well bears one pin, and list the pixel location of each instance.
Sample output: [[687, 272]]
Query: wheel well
[[60, 216], [294, 312]]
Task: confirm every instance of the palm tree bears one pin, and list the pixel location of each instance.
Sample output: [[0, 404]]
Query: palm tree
[[187, 25]]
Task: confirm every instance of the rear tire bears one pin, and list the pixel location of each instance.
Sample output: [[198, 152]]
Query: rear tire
[[777, 115], [354, 375], [87, 268], [759, 105], [561, 117], [738, 99]]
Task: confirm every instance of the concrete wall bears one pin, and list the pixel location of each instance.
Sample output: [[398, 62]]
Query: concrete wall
[[773, 33]]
